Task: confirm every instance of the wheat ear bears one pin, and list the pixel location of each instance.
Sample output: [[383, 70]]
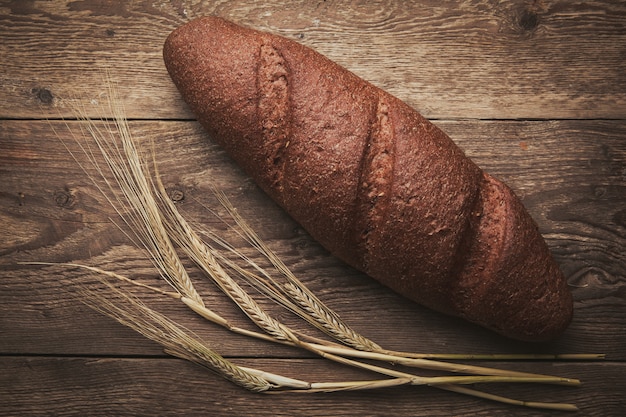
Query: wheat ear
[[177, 341], [132, 180], [304, 303], [196, 249]]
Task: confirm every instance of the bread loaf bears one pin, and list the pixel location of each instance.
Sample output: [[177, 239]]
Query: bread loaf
[[371, 179]]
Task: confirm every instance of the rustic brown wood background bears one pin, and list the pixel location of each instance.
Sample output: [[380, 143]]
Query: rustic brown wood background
[[534, 91]]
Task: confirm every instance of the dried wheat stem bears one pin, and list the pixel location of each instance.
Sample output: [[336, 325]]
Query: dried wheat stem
[[499, 357], [279, 381], [217, 319], [443, 366], [357, 385], [506, 400], [434, 381], [179, 343], [110, 274]]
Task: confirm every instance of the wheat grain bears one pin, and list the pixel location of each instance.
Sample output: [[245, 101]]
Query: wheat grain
[[328, 320]]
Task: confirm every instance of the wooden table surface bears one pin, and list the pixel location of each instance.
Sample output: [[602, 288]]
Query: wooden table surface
[[533, 91]]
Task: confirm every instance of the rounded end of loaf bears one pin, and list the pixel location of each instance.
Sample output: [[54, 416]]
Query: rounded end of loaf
[[509, 281]]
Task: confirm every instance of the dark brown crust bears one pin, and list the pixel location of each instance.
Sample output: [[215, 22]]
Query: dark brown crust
[[371, 179], [375, 181]]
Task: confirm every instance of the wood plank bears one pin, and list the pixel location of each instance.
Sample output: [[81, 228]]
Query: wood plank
[[52, 212], [465, 60], [40, 316], [142, 387], [560, 65]]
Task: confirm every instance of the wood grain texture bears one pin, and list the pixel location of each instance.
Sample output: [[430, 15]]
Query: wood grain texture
[[484, 59], [60, 216], [533, 91], [119, 386]]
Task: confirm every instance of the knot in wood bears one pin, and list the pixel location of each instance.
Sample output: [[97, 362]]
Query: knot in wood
[[64, 198], [528, 20], [43, 94], [176, 194]]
